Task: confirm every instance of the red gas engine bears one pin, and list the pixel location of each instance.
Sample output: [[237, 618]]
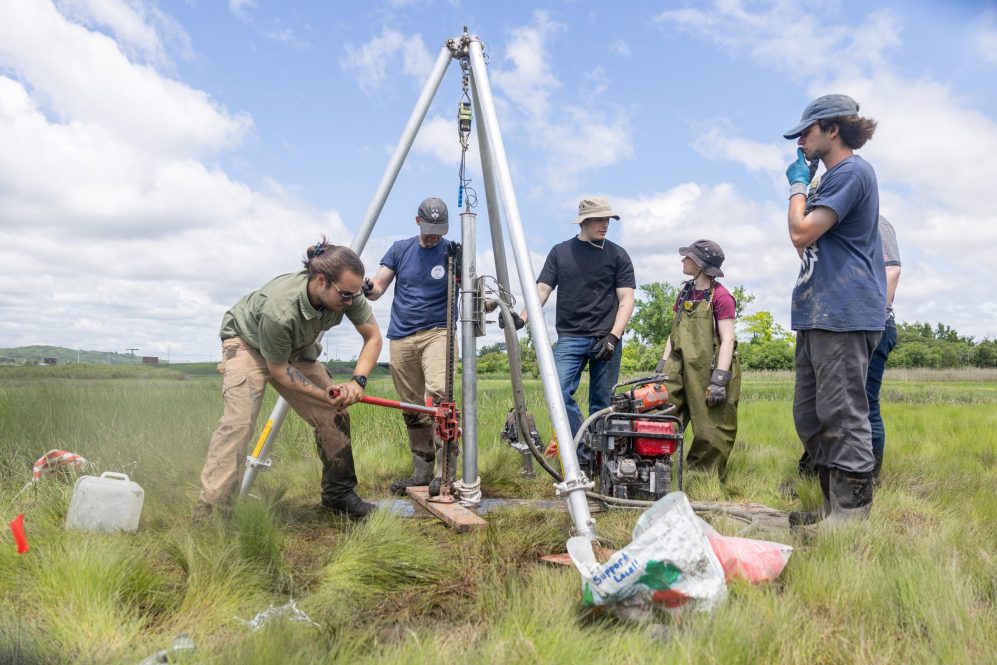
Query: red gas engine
[[638, 445]]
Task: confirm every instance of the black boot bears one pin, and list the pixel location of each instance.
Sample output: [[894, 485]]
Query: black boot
[[350, 505], [851, 496], [437, 483], [423, 459], [877, 467], [339, 477], [806, 466], [799, 518]]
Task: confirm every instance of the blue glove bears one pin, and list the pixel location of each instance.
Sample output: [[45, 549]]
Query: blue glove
[[799, 171]]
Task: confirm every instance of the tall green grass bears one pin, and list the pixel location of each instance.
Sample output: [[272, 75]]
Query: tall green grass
[[917, 584]]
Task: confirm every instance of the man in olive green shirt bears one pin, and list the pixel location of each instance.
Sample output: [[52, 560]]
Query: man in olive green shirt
[[272, 336]]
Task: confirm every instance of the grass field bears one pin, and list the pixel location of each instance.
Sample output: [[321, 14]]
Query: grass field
[[917, 584]]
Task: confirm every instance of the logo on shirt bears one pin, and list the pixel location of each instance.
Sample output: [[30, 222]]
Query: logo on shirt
[[808, 265], [438, 272]]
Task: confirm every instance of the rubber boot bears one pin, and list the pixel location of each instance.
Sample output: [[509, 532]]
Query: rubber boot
[[350, 505], [806, 466], [851, 496], [799, 518], [877, 467], [423, 458], [437, 482], [339, 477]]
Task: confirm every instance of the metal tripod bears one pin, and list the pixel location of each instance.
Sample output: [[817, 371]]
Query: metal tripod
[[469, 50]]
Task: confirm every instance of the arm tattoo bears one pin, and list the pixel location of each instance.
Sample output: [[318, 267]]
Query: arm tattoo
[[295, 376]]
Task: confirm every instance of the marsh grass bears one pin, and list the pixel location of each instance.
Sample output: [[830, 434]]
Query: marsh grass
[[917, 584]]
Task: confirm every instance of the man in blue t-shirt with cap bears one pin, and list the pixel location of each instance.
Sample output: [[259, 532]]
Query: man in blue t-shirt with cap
[[418, 333], [839, 302]]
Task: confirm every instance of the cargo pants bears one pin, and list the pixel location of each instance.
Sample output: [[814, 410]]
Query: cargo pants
[[244, 379]]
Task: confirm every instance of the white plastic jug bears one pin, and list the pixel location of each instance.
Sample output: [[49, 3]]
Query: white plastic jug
[[111, 502]]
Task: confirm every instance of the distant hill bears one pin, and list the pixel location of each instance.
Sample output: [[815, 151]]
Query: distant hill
[[34, 355]]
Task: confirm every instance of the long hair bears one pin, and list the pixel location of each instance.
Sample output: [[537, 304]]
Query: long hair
[[853, 129], [331, 260]]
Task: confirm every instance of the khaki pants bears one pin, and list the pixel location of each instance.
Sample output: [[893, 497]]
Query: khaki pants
[[244, 381], [419, 370]]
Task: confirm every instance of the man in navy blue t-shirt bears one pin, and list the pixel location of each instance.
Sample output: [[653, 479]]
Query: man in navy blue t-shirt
[[839, 302], [595, 284], [418, 331]]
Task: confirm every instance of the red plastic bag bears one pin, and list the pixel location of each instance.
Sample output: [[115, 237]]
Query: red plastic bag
[[753, 560]]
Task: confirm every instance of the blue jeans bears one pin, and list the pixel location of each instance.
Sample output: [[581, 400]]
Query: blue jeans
[[571, 355], [874, 381]]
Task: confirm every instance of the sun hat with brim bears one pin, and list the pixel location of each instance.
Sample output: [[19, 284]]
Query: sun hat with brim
[[595, 206], [707, 255], [433, 217], [822, 108]]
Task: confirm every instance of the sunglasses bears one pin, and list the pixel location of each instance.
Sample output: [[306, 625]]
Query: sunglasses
[[347, 297]]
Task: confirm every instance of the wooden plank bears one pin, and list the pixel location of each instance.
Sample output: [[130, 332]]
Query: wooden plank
[[454, 515]]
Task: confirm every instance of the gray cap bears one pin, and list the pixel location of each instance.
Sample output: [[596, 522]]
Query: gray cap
[[433, 219], [707, 255], [822, 108]]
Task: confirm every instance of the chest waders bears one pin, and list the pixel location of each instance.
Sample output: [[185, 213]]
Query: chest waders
[[695, 344]]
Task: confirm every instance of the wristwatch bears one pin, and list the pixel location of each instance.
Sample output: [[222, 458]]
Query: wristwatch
[[360, 379]]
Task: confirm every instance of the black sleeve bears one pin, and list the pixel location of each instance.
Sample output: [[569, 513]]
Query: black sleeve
[[549, 273], [625, 277]]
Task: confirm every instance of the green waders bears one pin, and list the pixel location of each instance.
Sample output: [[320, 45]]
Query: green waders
[[694, 347]]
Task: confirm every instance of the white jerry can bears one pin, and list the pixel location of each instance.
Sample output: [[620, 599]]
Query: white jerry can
[[109, 503]]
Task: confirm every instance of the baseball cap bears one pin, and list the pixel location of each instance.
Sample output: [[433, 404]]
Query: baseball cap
[[433, 219], [822, 108]]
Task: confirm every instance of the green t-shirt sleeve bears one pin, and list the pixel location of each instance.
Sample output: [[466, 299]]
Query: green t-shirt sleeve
[[360, 311], [275, 340]]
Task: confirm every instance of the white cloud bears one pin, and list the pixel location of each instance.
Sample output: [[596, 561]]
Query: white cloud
[[141, 30], [438, 138], [527, 80], [66, 63], [116, 232], [778, 34], [574, 140], [935, 156], [984, 38], [369, 63], [755, 156], [620, 47], [241, 8]]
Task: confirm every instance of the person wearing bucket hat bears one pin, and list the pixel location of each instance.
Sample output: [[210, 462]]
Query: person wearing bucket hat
[[839, 302], [700, 365], [595, 283], [417, 331]]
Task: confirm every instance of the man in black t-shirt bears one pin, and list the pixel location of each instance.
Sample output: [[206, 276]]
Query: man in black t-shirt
[[595, 286]]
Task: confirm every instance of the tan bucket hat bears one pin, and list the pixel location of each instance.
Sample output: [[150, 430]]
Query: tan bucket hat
[[594, 206]]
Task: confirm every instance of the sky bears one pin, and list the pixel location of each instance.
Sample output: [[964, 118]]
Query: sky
[[158, 160]]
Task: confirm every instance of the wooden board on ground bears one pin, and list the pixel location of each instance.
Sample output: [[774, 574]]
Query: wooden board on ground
[[602, 555], [454, 515]]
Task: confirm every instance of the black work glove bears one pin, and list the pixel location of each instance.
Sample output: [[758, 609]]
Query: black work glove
[[368, 287], [605, 347], [517, 321], [716, 393], [660, 367]]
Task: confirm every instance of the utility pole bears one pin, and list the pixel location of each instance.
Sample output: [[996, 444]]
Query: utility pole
[[132, 351]]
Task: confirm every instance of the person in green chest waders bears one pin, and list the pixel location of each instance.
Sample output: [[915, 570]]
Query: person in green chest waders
[[272, 336], [703, 372]]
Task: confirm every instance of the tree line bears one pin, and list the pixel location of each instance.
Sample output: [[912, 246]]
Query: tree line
[[763, 344]]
